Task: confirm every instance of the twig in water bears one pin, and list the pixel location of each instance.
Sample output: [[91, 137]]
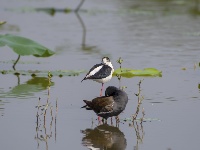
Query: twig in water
[[119, 61], [143, 113], [140, 98]]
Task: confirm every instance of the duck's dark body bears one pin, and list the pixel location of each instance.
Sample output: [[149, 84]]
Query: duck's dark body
[[112, 104]]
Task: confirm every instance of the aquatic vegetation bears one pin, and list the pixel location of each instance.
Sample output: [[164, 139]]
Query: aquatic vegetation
[[24, 46], [129, 73], [43, 73]]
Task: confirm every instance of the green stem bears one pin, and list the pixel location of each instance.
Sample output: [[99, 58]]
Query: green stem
[[16, 62]]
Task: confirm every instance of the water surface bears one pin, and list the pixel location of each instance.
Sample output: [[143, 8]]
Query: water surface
[[159, 34]]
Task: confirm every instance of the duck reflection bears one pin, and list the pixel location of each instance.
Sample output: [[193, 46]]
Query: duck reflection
[[104, 137]]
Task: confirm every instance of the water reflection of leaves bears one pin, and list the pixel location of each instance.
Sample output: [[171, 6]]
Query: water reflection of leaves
[[43, 82], [104, 137], [32, 86]]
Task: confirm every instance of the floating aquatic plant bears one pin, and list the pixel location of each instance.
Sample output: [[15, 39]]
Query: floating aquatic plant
[[129, 73], [43, 73]]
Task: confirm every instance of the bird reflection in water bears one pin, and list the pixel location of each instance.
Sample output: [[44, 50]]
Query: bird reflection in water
[[104, 137]]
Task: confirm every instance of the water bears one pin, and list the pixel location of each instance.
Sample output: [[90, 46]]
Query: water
[[158, 34]]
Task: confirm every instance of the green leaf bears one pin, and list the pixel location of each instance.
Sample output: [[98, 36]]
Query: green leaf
[[129, 73], [23, 46]]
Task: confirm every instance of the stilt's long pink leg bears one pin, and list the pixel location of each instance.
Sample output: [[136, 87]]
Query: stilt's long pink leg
[[101, 90], [99, 118]]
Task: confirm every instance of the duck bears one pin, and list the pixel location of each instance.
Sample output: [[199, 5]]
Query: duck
[[112, 104], [100, 73]]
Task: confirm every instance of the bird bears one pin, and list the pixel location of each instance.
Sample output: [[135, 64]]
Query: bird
[[101, 73], [112, 104]]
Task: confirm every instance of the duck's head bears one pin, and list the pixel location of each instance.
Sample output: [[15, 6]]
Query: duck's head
[[111, 90]]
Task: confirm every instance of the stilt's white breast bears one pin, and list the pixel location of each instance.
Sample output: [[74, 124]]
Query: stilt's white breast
[[103, 80]]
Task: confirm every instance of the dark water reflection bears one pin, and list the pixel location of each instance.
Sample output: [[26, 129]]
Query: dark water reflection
[[104, 137]]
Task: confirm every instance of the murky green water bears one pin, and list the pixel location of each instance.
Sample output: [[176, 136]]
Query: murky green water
[[159, 34]]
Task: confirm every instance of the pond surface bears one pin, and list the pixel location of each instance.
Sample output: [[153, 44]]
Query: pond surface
[[160, 34]]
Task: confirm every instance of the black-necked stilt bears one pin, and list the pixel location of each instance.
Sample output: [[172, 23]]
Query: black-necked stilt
[[112, 104], [101, 73]]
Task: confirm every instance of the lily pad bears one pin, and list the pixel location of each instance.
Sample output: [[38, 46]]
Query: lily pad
[[24, 46], [129, 73]]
